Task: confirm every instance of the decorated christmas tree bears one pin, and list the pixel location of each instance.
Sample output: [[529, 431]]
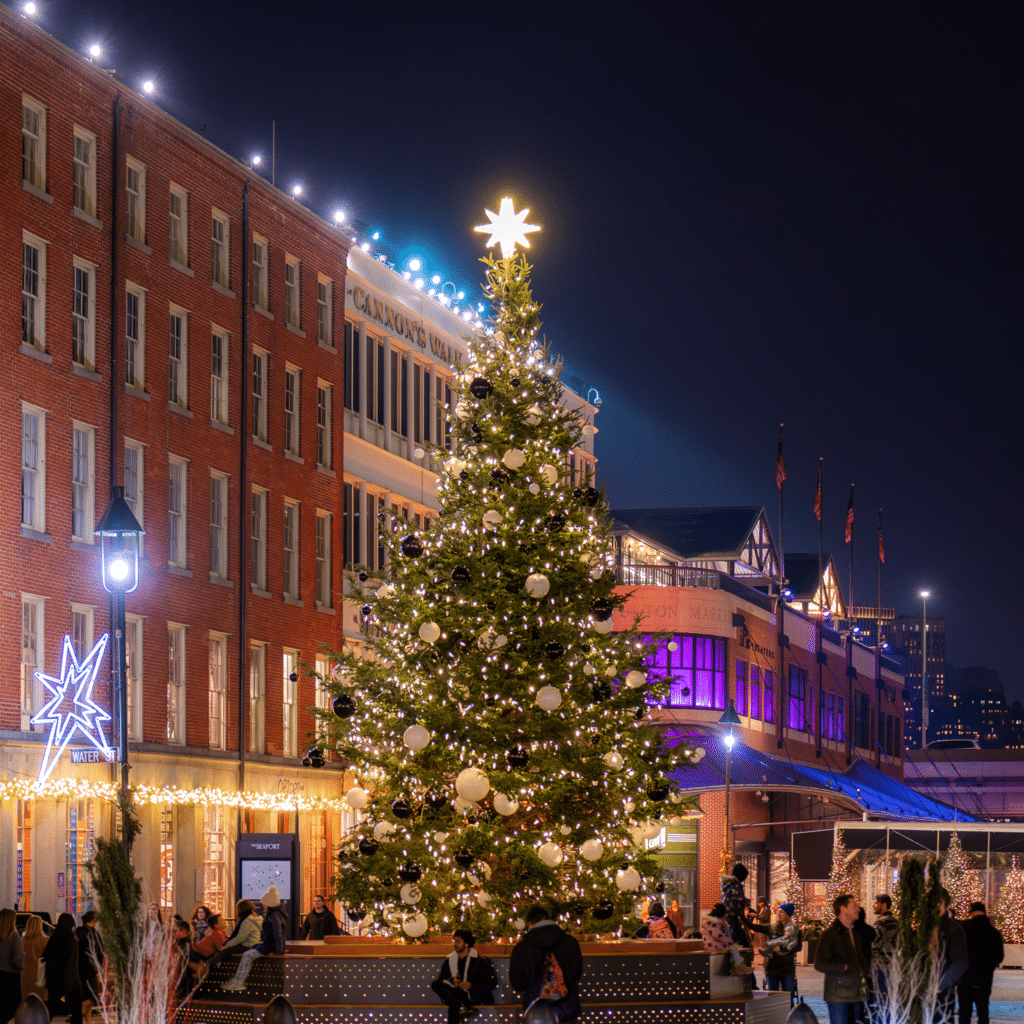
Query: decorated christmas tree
[[1009, 911], [960, 878], [793, 892], [845, 878], [493, 720]]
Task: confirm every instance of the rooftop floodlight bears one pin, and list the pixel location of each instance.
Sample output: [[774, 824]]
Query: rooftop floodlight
[[148, 86], [296, 191], [254, 160], [29, 9], [415, 264], [339, 216], [95, 51], [436, 279]]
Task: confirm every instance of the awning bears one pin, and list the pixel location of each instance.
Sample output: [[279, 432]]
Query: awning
[[861, 787]]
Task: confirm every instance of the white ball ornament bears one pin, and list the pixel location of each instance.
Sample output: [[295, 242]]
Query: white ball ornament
[[499, 337], [596, 573], [429, 632], [534, 414], [650, 829], [603, 626], [514, 458], [565, 830], [589, 669], [628, 880], [636, 833], [357, 798], [535, 488], [611, 672], [675, 796], [505, 805], [416, 737], [472, 784], [464, 807], [454, 466], [418, 453], [592, 849], [491, 641], [629, 806], [491, 518], [548, 698], [485, 899], [675, 820], [550, 854], [440, 837], [485, 874], [463, 411], [614, 760], [519, 924], [410, 893], [388, 590], [672, 645], [635, 679], [383, 830], [549, 474], [414, 926], [699, 754], [537, 584]]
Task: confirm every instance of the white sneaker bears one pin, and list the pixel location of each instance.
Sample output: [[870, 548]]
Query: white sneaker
[[233, 986]]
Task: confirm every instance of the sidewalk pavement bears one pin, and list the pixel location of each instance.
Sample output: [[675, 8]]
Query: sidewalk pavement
[[1006, 1004]]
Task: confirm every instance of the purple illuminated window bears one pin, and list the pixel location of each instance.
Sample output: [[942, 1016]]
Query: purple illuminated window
[[755, 692], [769, 697], [797, 696], [694, 666], [741, 687], [840, 720]]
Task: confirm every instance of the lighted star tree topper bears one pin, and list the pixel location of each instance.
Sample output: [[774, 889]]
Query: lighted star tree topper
[[71, 709], [507, 228]]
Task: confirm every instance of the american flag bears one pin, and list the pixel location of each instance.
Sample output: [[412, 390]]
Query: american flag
[[881, 546], [780, 465], [817, 494], [849, 517]]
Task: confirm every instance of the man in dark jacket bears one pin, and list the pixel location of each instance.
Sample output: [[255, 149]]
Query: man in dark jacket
[[526, 965], [984, 955], [467, 980], [90, 958], [845, 965], [886, 927], [272, 940], [952, 944], [319, 921]]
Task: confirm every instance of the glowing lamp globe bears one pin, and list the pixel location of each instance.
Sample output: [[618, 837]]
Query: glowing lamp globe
[[414, 926], [357, 798], [592, 849], [537, 584], [472, 784], [548, 698], [551, 854], [628, 880], [416, 737], [505, 805], [429, 632], [635, 679], [118, 568]]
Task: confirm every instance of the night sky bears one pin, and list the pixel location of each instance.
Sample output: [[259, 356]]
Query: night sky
[[752, 213]]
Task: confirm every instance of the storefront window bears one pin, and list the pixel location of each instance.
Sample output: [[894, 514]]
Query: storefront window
[[167, 859], [79, 853], [215, 864], [23, 868]]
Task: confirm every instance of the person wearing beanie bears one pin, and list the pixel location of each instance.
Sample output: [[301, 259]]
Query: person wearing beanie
[[780, 950], [657, 925], [272, 940]]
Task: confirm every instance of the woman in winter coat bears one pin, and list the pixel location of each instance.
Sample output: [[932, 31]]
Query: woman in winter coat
[[34, 943], [63, 989], [272, 940], [245, 935], [781, 949], [200, 922], [12, 963]]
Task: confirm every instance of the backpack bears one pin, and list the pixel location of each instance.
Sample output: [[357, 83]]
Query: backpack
[[658, 928], [552, 986]]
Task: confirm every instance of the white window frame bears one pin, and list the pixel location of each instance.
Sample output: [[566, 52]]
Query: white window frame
[[260, 366], [33, 144], [324, 425], [135, 483], [220, 249], [176, 697], [33, 467], [135, 200], [83, 314], [220, 363], [82, 616], [258, 537], [261, 273], [325, 311], [322, 695], [178, 225], [134, 661], [289, 703], [324, 525], [218, 691], [257, 697], [33, 292], [135, 346], [177, 357], [33, 633], [292, 408], [83, 482], [291, 546], [218, 525], [84, 172], [177, 511], [293, 292]]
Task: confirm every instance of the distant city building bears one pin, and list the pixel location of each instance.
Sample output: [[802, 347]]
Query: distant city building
[[974, 707], [904, 638]]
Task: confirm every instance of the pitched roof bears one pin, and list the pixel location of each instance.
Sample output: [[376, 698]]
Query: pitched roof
[[694, 533], [802, 573]]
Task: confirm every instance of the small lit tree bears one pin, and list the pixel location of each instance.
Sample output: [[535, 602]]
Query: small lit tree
[[960, 878], [845, 878], [793, 892], [1009, 912]]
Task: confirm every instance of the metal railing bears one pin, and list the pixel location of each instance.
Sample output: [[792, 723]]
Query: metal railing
[[666, 576]]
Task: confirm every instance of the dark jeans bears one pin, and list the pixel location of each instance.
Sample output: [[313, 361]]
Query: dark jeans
[[455, 999], [969, 996], [782, 983], [845, 1013]]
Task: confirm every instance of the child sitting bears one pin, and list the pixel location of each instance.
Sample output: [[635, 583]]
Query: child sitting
[[717, 936]]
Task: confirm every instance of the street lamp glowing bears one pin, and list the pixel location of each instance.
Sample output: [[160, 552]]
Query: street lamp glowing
[[255, 161], [94, 50], [148, 87], [729, 740], [339, 216], [507, 228], [296, 191], [118, 568], [925, 593], [29, 9]]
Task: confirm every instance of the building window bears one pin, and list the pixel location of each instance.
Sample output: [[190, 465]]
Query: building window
[[769, 696], [695, 670], [218, 525], [840, 719], [323, 559], [134, 337], [259, 538], [290, 704], [135, 199], [83, 316], [23, 855], [324, 456], [353, 389], [257, 697], [83, 483], [352, 554], [259, 395], [33, 291], [167, 860], [134, 478], [218, 697], [754, 692], [220, 249], [322, 695], [33, 143], [291, 549], [177, 391], [33, 468], [292, 389], [84, 182], [741, 687], [32, 633], [133, 657], [79, 853], [861, 719], [325, 311], [81, 629], [219, 377], [179, 225], [797, 718], [292, 292], [177, 511], [215, 857], [260, 275], [175, 684]]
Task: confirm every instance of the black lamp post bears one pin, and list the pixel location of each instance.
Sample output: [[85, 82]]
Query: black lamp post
[[730, 718], [119, 532]]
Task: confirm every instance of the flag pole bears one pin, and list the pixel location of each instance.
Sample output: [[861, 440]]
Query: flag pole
[[780, 479], [818, 513]]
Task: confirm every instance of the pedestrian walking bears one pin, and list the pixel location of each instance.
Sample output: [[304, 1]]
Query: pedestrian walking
[[530, 970], [845, 965], [677, 917], [90, 960], [12, 963], [951, 943], [33, 942], [63, 988], [884, 945], [984, 955], [467, 979], [784, 942]]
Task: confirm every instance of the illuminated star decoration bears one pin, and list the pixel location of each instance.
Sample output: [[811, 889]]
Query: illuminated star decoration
[[507, 228], [71, 708]]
